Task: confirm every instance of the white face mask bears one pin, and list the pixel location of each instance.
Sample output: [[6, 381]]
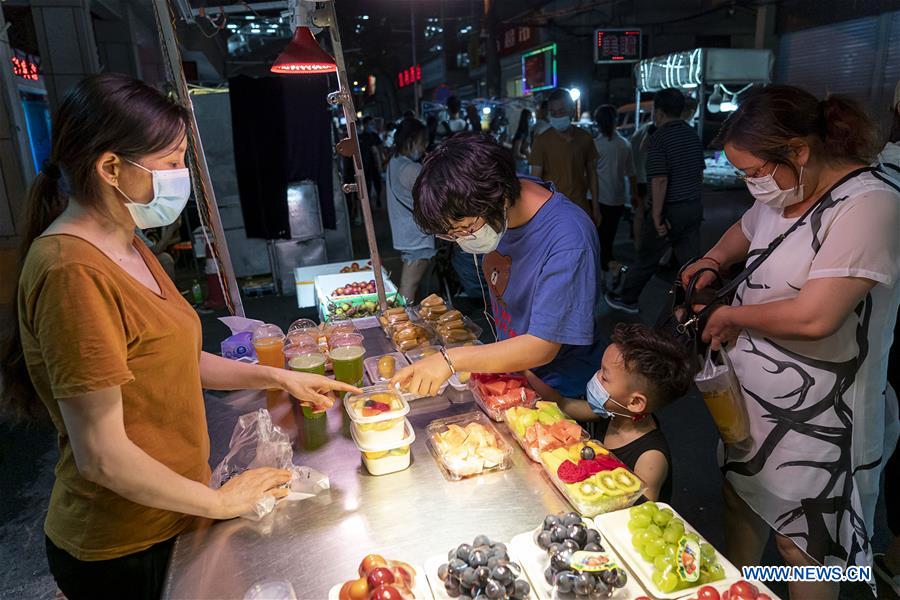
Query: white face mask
[[483, 241], [765, 189], [560, 123], [171, 190]]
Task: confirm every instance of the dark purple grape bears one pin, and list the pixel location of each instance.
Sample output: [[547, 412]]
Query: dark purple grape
[[550, 521], [493, 563], [608, 577], [601, 587], [593, 537], [589, 547], [565, 581], [452, 554], [482, 540], [483, 574], [503, 574], [572, 518], [478, 558], [587, 453], [510, 589], [499, 546], [621, 578], [550, 576], [443, 572], [578, 533], [451, 586], [494, 590], [457, 566], [554, 548], [465, 597], [560, 562], [463, 552], [481, 596], [544, 539], [584, 584], [558, 533], [521, 589], [571, 546], [468, 578]]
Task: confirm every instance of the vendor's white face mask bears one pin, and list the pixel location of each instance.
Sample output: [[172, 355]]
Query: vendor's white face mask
[[171, 190], [483, 241], [766, 190]]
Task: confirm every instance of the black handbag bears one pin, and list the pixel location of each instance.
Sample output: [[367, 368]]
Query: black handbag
[[678, 318]]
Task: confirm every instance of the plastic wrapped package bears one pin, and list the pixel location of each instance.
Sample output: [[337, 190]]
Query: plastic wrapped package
[[723, 397], [255, 443]]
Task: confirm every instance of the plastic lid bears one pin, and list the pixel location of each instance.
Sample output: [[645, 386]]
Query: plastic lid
[[347, 352], [268, 331], [372, 393], [420, 353], [409, 436], [307, 361]]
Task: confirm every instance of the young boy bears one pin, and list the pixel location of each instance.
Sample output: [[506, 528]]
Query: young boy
[[641, 372]]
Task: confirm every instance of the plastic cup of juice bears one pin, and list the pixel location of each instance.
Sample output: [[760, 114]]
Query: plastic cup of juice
[[314, 363], [268, 340], [347, 353]]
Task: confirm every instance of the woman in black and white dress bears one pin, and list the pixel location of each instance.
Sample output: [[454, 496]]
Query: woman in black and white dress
[[809, 332]]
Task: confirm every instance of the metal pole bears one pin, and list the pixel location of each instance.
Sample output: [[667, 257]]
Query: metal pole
[[203, 187], [701, 101], [344, 97]]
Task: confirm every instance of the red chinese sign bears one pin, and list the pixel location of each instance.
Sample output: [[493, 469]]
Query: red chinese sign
[[25, 68], [617, 45], [409, 76]]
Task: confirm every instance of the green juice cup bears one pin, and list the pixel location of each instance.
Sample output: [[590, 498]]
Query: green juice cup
[[313, 363], [347, 362]]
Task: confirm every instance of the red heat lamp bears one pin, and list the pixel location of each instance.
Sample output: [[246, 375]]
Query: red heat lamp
[[303, 56]]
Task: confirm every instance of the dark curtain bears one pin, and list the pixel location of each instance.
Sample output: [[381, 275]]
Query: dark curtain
[[281, 129]]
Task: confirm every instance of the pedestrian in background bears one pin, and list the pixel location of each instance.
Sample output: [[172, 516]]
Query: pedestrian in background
[[370, 146], [566, 155], [614, 165], [473, 118], [542, 123], [521, 144], [416, 248], [675, 171]]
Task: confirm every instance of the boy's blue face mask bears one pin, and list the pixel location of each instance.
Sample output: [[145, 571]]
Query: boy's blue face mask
[[597, 397]]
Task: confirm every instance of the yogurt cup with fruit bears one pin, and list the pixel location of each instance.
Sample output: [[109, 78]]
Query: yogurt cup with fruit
[[377, 415], [381, 459]]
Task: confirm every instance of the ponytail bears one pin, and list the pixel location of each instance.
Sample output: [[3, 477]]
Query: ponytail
[[847, 132], [18, 398], [108, 112]]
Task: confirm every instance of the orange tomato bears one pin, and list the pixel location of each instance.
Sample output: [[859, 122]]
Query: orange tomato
[[345, 590], [359, 589], [370, 562]]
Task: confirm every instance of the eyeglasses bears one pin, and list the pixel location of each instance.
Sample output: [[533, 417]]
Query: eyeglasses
[[744, 176], [465, 233]]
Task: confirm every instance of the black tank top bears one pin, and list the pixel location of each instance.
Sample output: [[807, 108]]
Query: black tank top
[[631, 452]]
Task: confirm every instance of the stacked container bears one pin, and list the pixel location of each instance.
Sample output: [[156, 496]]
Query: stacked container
[[380, 429]]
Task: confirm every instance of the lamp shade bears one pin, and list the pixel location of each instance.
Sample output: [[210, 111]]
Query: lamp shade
[[303, 55]]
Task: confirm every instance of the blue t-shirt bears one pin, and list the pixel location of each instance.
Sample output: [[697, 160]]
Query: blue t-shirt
[[543, 280]]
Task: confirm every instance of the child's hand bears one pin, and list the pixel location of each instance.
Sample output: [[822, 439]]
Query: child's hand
[[544, 391]]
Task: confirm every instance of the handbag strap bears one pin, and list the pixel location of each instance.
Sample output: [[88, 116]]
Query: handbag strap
[[761, 258]]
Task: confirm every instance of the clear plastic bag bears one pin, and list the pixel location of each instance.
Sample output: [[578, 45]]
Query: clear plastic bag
[[723, 397], [256, 442]]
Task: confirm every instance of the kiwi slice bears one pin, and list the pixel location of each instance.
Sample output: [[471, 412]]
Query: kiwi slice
[[625, 480], [607, 484], [589, 492]]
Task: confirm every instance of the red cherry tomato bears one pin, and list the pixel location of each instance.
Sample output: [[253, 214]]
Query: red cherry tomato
[[764, 597], [386, 592], [744, 589], [642, 598], [708, 592], [380, 576]]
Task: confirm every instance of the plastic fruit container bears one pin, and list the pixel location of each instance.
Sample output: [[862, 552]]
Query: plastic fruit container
[[467, 445], [542, 428], [377, 414], [381, 459], [496, 393], [371, 366], [612, 487]]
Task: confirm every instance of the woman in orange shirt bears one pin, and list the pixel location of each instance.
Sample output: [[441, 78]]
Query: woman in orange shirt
[[109, 346]]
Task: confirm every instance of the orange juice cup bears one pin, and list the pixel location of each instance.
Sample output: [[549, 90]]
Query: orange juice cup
[[268, 340]]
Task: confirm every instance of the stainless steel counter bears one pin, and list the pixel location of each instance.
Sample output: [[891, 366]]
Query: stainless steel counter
[[318, 542]]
